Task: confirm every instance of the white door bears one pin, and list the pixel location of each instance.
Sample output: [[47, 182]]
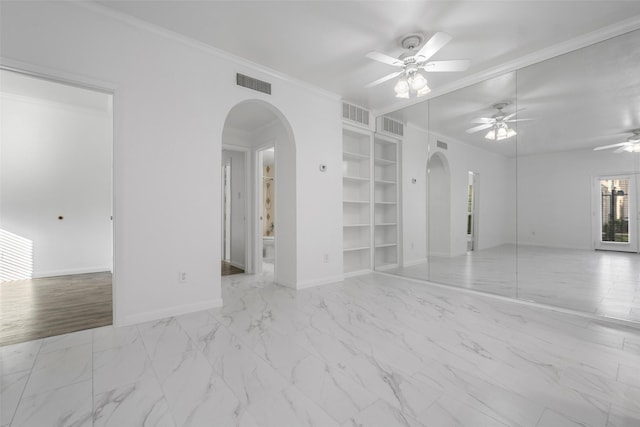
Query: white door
[[616, 216]]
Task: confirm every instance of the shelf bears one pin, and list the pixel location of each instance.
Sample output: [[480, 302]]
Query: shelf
[[384, 162], [356, 201], [354, 156], [355, 179], [361, 248], [386, 245], [386, 224], [386, 203], [355, 225], [380, 181]]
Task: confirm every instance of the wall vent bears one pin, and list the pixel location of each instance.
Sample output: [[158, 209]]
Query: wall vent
[[390, 126], [442, 145], [252, 83], [355, 114]]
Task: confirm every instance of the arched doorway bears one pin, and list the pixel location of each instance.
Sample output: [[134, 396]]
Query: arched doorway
[[254, 127], [438, 206]]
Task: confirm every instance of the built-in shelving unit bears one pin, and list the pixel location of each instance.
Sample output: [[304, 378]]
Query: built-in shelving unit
[[385, 174], [356, 206], [370, 198]]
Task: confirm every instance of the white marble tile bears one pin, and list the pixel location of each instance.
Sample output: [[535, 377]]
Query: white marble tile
[[629, 375], [119, 366], [623, 417], [551, 418], [60, 368], [136, 404], [108, 337], [331, 389], [11, 388], [453, 412], [18, 357], [61, 342], [381, 414], [68, 406], [289, 407]]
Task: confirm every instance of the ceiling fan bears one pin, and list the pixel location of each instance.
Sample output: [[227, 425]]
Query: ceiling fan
[[498, 124], [631, 145], [412, 63]]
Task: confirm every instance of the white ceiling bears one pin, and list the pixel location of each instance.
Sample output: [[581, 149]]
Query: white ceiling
[[324, 43]]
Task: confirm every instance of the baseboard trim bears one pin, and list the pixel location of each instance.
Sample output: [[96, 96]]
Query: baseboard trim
[[319, 282], [150, 316], [56, 273]]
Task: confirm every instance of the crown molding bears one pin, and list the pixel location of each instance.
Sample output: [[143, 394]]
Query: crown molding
[[559, 49], [203, 47]]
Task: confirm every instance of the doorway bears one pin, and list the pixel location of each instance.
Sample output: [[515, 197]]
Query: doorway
[[439, 206], [234, 219], [56, 235], [616, 218], [253, 126], [472, 211], [267, 199]]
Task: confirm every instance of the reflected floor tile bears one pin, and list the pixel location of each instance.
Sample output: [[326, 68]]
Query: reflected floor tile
[[11, 387]]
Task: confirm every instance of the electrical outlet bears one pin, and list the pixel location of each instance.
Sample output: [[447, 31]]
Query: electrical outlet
[[182, 277], [325, 258]]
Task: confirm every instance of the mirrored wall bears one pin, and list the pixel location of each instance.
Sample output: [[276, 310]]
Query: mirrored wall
[[526, 185]]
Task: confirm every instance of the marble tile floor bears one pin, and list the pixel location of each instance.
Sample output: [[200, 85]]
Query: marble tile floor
[[370, 351], [597, 282]]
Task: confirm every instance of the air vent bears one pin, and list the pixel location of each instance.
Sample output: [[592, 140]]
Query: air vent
[[254, 84], [442, 145], [390, 126], [355, 114]]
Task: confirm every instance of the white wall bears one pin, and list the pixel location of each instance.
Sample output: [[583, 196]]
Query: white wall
[[171, 100], [238, 206], [555, 195], [496, 187], [56, 161]]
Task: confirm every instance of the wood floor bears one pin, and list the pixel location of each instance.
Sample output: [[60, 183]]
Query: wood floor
[[228, 269], [39, 308]]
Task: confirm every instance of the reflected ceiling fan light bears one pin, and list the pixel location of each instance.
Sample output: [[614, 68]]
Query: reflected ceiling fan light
[[500, 132], [425, 90], [634, 148], [402, 88]]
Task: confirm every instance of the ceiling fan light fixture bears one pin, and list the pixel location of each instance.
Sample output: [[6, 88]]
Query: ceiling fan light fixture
[[422, 92], [417, 81], [402, 88]]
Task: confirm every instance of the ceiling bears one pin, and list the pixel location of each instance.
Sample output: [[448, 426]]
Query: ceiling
[[323, 43]]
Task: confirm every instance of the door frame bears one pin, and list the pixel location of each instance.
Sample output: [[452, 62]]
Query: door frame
[[247, 179], [258, 242]]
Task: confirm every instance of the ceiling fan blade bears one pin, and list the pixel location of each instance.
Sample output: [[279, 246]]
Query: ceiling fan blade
[[483, 120], [443, 66], [434, 44], [604, 147], [508, 116], [479, 128], [518, 120], [384, 79], [620, 150], [385, 59]]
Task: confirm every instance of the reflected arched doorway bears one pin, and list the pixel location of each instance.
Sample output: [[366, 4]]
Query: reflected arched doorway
[[253, 128], [438, 206]]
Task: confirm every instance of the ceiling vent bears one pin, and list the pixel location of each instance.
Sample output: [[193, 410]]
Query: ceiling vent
[[253, 84], [355, 114], [441, 144], [390, 126]]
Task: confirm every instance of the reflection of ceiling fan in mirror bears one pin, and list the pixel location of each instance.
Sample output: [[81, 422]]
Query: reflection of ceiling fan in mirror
[[412, 64], [631, 145], [498, 124]]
